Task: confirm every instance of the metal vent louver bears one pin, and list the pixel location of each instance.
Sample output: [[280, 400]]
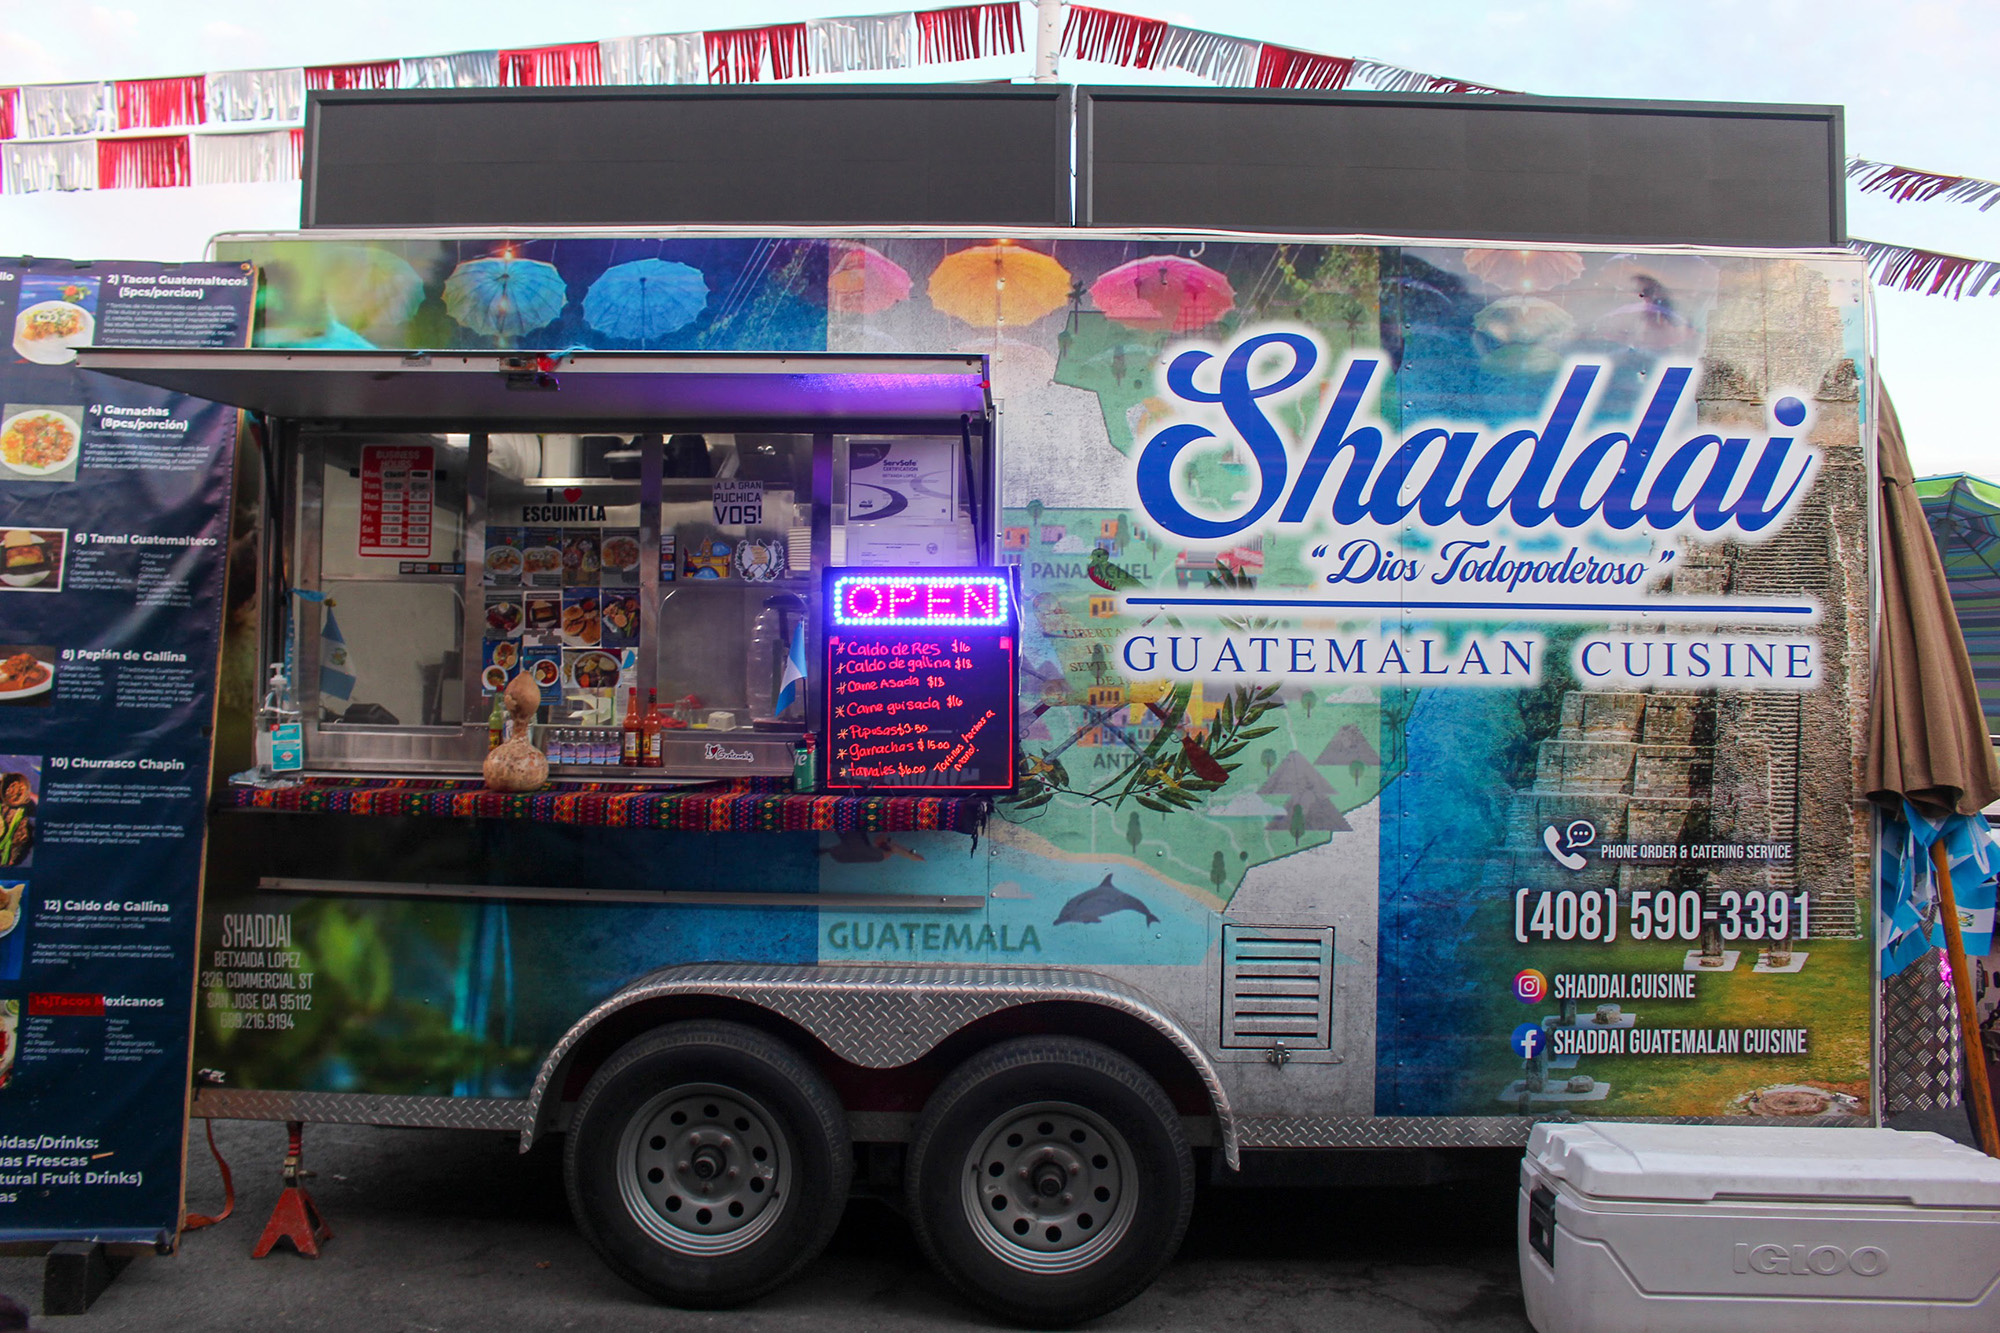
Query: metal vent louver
[[1277, 985]]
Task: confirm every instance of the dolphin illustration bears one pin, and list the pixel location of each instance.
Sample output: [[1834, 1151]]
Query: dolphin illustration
[[1093, 905]]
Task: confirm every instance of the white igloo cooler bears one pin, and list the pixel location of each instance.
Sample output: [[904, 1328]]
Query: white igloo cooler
[[1629, 1228]]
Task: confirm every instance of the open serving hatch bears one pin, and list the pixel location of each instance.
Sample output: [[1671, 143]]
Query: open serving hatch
[[605, 522]]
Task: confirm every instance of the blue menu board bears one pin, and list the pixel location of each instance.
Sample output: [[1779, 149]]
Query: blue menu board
[[919, 689], [114, 536]]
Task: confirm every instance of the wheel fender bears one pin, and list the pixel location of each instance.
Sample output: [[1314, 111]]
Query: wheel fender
[[883, 1017]]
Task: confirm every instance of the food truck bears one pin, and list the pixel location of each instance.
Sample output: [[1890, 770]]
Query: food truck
[[1119, 701], [1034, 715]]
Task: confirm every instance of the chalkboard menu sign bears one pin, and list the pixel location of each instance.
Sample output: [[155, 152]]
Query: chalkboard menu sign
[[920, 676]]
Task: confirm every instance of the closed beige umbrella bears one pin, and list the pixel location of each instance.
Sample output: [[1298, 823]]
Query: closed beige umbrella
[[1927, 737]]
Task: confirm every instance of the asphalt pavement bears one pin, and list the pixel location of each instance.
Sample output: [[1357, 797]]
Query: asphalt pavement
[[439, 1231]]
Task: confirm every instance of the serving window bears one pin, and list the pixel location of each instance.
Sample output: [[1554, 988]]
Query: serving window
[[610, 567], [440, 523]]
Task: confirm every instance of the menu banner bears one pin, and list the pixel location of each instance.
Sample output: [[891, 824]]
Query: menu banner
[[114, 511]]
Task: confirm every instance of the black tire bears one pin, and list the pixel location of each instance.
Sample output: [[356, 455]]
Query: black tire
[[732, 1198], [1092, 1192]]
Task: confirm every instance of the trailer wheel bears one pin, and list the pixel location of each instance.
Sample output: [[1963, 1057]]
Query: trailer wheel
[[1050, 1180], [707, 1163]]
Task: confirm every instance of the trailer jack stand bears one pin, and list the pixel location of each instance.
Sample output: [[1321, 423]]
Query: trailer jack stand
[[296, 1218]]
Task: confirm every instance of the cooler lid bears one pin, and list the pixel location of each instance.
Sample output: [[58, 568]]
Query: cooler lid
[[1699, 1163]]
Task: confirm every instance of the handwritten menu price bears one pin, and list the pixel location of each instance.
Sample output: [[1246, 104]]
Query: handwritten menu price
[[923, 705], [396, 499]]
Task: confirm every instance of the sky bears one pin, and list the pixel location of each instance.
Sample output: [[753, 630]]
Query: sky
[[1917, 80]]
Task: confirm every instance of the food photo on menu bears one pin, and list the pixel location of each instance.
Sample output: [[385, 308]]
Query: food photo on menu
[[502, 660], [13, 894], [10, 1020], [57, 313], [20, 793], [620, 556], [27, 674], [40, 442], [582, 618], [31, 559]]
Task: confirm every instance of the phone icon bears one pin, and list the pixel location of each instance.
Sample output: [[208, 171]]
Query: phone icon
[[1566, 845]]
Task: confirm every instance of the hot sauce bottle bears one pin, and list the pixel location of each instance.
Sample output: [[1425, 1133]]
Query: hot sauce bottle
[[652, 734], [630, 744]]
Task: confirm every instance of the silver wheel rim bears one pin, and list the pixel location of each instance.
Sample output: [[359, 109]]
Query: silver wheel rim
[[1049, 1188], [704, 1169]]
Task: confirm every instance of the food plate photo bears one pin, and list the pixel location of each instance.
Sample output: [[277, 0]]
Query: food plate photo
[[39, 441], [24, 675], [49, 332]]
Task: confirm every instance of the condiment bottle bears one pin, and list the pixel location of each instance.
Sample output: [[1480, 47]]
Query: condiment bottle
[[652, 733], [631, 743], [496, 724]]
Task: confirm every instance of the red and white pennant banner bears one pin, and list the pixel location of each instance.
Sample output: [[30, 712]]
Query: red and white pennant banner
[[1111, 38], [1905, 268], [1908, 185]]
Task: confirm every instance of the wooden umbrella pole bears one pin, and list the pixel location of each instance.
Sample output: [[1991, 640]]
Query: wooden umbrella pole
[[1968, 1012]]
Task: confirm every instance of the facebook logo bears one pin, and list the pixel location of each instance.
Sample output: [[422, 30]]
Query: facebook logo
[[1529, 1040]]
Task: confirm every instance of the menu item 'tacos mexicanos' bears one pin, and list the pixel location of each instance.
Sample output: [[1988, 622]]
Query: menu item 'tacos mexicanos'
[[38, 441], [503, 560]]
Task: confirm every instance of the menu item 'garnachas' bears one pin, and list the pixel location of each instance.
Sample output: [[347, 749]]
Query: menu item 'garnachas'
[[38, 441]]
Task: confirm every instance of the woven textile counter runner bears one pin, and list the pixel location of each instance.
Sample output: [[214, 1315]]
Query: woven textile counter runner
[[753, 806]]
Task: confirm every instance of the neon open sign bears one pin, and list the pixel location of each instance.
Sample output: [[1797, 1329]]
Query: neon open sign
[[920, 599]]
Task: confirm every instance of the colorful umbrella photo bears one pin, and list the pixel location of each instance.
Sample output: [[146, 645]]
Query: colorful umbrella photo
[[1524, 271], [506, 297], [861, 280], [1164, 293], [371, 290], [999, 283], [645, 299]]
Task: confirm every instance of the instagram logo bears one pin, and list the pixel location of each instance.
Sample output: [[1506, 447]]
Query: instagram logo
[[1530, 986]]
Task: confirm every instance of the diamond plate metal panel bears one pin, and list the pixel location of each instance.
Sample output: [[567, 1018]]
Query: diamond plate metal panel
[[1920, 1040], [882, 1017], [356, 1108]]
